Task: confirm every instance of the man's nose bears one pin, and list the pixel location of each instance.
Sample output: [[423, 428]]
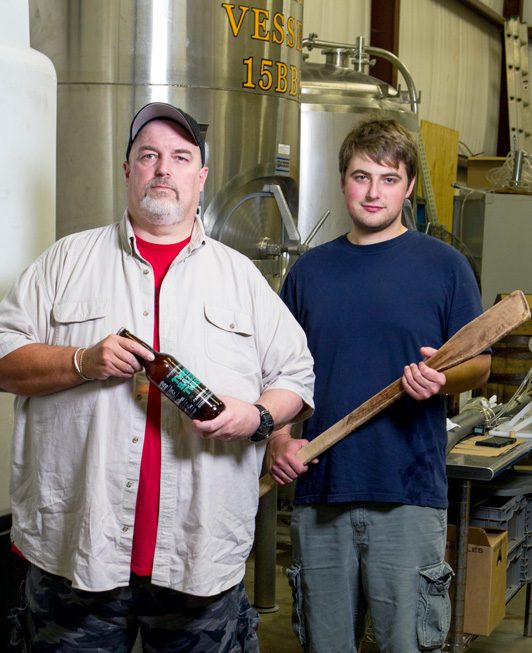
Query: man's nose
[[162, 168], [373, 188]]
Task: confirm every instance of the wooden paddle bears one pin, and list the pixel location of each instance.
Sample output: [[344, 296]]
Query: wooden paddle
[[471, 340]]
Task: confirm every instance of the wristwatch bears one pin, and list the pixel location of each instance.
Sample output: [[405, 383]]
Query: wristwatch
[[265, 427]]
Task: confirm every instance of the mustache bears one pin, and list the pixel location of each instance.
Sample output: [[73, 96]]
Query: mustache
[[156, 181]]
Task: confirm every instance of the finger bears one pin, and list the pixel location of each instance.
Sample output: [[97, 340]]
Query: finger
[[282, 476], [207, 425], [133, 347], [411, 386], [432, 375], [427, 352], [421, 377]]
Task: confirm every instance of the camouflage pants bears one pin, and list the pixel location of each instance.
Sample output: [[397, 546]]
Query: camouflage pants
[[55, 617]]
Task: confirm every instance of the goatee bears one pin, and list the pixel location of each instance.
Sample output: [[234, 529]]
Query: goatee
[[161, 210]]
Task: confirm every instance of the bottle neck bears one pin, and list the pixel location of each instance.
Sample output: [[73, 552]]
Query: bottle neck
[[127, 334]]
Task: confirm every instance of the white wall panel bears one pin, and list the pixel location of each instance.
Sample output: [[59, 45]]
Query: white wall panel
[[454, 57], [496, 5], [340, 21]]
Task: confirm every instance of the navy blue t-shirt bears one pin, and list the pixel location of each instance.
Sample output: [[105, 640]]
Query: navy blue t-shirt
[[366, 310]]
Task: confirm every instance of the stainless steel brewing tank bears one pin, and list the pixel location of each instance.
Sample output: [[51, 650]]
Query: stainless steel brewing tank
[[335, 96], [234, 66]]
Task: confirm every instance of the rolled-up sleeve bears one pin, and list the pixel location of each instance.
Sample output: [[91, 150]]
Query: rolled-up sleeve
[[24, 311], [286, 360]]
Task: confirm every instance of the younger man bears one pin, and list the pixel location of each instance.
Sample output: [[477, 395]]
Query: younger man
[[369, 521]]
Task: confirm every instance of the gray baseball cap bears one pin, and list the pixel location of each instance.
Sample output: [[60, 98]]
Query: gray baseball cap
[[162, 110]]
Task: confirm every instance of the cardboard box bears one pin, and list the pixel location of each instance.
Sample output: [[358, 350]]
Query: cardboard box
[[487, 555], [478, 166]]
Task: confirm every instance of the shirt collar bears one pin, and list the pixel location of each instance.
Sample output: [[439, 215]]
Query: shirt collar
[[127, 236]]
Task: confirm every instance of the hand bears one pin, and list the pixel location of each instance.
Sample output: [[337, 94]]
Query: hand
[[114, 356], [239, 420], [420, 381], [281, 460]]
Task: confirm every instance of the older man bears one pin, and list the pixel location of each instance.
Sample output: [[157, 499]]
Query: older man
[[132, 515]]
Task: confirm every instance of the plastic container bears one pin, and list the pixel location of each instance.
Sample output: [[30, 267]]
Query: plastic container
[[526, 560], [514, 570], [508, 513]]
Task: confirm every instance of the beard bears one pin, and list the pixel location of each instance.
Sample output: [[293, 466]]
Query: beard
[[159, 209]]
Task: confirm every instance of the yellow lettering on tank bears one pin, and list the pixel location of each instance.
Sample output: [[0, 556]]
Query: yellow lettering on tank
[[282, 77], [291, 35], [260, 32], [267, 74], [278, 28], [235, 26]]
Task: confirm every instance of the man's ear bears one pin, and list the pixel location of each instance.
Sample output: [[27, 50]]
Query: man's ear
[[203, 176], [411, 187]]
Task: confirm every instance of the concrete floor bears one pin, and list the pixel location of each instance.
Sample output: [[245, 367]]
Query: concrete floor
[[276, 636]]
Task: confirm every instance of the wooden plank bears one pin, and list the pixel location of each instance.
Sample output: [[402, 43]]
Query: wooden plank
[[441, 148]]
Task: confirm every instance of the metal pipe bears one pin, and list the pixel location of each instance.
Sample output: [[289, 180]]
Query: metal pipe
[[478, 415], [317, 227], [414, 100], [265, 549], [466, 421], [528, 611], [457, 629], [518, 166], [312, 42]]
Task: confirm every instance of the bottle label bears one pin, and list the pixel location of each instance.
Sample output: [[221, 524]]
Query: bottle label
[[185, 390]]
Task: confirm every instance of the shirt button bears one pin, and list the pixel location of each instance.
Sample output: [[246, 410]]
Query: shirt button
[[135, 440], [232, 325], [125, 529], [129, 484], [139, 397], [145, 271], [146, 313]]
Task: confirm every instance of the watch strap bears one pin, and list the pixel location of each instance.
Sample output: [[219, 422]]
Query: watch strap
[[265, 427]]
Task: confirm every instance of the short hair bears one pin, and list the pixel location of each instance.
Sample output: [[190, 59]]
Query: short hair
[[382, 141]]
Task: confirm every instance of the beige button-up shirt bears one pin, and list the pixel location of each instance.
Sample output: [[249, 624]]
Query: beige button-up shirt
[[77, 453]]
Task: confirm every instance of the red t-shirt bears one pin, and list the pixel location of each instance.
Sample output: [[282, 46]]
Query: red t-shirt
[[147, 511]]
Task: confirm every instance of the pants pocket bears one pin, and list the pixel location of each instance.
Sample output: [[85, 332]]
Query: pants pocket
[[434, 606], [293, 574]]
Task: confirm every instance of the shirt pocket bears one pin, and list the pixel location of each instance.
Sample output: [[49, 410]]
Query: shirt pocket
[[80, 321], [229, 338]]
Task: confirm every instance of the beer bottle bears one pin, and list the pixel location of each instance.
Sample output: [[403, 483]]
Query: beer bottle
[[178, 384]]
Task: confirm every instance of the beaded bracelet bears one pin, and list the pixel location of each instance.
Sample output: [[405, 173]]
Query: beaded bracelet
[[78, 366]]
